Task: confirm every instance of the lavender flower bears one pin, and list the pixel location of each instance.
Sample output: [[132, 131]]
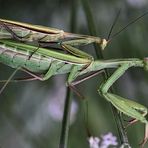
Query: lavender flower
[[105, 142], [108, 140]]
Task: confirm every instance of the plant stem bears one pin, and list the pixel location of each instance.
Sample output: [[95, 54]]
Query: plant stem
[[93, 32], [65, 121], [67, 105]]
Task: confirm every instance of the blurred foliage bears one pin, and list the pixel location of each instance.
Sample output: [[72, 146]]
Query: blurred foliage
[[27, 119]]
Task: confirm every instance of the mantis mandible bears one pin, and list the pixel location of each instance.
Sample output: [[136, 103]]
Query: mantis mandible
[[48, 62]]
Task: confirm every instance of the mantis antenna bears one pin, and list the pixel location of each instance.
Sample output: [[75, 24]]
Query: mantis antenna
[[114, 23], [130, 23]]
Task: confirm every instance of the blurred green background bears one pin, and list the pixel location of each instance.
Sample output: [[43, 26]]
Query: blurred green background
[[31, 112]]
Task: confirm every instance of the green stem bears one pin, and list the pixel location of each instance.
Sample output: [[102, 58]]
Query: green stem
[[93, 32], [67, 107], [65, 122]]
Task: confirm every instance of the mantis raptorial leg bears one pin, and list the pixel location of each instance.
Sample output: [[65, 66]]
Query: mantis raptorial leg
[[126, 106]]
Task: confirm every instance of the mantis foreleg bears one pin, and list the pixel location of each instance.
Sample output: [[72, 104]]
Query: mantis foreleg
[[128, 107]]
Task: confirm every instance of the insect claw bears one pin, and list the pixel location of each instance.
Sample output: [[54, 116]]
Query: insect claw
[[143, 142], [145, 137]]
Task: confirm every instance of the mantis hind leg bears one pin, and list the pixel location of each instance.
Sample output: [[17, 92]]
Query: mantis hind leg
[[50, 72], [9, 79], [72, 78]]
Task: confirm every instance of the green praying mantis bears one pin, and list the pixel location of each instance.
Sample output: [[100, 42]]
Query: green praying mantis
[[44, 35], [46, 62]]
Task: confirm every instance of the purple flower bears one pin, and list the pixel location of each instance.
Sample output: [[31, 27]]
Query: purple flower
[[105, 142], [108, 140]]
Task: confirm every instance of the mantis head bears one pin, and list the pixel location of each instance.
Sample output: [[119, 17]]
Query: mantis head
[[103, 43], [146, 63]]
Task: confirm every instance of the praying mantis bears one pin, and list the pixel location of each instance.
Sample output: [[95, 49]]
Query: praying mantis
[[40, 34], [47, 62]]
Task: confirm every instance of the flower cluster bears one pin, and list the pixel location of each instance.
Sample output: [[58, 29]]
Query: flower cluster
[[104, 142]]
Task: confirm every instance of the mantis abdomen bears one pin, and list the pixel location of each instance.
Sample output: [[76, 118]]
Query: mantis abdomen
[[16, 57]]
